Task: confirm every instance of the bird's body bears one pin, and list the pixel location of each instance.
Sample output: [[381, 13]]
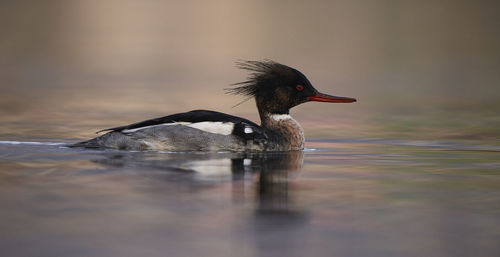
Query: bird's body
[[276, 88]]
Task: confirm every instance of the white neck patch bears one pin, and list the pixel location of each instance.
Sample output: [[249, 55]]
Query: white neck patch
[[280, 117]]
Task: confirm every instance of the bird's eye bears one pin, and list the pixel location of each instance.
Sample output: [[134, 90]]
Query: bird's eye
[[299, 87]]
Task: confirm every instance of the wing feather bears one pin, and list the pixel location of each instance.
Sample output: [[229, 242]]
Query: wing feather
[[197, 116]]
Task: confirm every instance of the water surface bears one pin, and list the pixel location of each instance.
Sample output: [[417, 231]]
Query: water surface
[[424, 72], [336, 198]]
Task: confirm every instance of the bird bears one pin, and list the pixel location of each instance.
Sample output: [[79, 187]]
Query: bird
[[276, 89]]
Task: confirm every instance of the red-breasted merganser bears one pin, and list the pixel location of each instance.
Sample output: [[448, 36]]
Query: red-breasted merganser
[[276, 89]]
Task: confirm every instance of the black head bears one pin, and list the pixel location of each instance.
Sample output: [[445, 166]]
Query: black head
[[277, 88]]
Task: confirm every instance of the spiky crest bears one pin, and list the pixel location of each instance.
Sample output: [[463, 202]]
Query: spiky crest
[[260, 71]]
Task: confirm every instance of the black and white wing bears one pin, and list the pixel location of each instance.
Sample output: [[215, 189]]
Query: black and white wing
[[209, 121]]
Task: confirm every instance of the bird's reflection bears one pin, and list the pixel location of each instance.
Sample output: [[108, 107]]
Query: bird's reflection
[[268, 175], [277, 171], [265, 180]]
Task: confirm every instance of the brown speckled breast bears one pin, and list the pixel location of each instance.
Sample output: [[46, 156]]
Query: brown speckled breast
[[288, 128]]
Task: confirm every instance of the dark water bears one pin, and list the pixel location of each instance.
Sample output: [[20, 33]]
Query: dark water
[[337, 198]]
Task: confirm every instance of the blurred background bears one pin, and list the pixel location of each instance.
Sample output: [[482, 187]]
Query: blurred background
[[420, 69]]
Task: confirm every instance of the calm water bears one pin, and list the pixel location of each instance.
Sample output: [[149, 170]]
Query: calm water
[[424, 70], [337, 198]]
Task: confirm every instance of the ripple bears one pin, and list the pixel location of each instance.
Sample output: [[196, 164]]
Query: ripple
[[29, 143]]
